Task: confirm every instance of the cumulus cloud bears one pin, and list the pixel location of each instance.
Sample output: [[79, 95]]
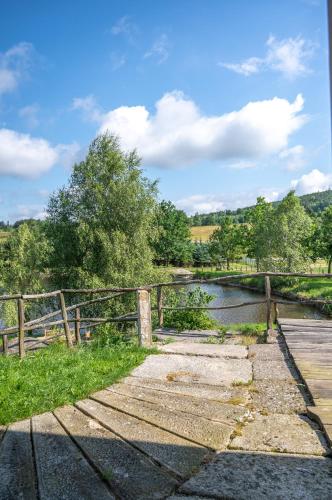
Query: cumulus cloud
[[289, 57], [89, 107], [28, 212], [159, 49], [24, 156], [14, 65], [312, 182], [178, 134]]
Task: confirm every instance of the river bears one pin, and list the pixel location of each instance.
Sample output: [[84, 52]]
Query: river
[[228, 295]]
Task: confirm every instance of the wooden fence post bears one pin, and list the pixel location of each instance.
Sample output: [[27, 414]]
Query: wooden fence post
[[5, 344], [268, 303], [160, 306], [77, 325], [144, 318], [65, 320], [276, 312], [20, 315]]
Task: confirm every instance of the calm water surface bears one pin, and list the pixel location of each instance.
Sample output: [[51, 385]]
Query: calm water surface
[[228, 295]]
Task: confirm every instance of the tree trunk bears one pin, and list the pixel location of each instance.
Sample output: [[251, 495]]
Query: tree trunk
[[227, 264], [330, 265]]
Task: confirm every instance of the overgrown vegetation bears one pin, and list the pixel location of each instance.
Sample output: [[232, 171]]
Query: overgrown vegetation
[[55, 376]]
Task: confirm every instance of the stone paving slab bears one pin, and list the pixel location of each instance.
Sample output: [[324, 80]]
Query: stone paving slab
[[213, 410], [259, 476], [171, 451], [197, 369], [185, 335], [277, 396], [273, 370], [129, 472], [281, 433], [239, 395], [213, 350], [267, 351], [205, 432]]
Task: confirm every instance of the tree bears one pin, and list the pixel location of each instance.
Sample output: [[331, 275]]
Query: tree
[[322, 241], [259, 230], [173, 244], [290, 228], [23, 259], [228, 241], [100, 223]]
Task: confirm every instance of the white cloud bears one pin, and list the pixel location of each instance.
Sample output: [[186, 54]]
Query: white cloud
[[312, 182], [124, 26], [289, 57], [30, 115], [294, 157], [159, 49], [178, 134], [28, 212], [14, 65], [242, 165], [88, 105], [206, 203], [24, 156], [246, 68]]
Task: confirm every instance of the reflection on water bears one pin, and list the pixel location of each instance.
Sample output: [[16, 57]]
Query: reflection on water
[[228, 295]]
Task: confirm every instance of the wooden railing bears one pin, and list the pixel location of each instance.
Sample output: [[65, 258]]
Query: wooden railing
[[142, 315]]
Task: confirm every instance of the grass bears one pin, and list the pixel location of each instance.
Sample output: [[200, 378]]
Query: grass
[[202, 233], [55, 376]]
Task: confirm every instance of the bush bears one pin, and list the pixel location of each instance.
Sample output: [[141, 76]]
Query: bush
[[188, 319]]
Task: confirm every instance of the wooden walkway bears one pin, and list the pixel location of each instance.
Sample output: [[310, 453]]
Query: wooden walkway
[[310, 345]]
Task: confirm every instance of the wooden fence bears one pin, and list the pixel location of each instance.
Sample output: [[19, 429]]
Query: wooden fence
[[142, 315]]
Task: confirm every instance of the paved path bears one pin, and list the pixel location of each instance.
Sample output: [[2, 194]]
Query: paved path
[[310, 345], [197, 421]]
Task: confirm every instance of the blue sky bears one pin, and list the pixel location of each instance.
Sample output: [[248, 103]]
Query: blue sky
[[224, 100]]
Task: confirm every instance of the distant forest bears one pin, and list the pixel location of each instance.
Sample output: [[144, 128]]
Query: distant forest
[[314, 203]]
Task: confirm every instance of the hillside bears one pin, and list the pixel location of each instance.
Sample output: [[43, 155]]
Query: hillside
[[314, 203]]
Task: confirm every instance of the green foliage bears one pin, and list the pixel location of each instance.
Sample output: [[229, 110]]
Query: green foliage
[[188, 319], [56, 376], [259, 230], [100, 223], [322, 237], [201, 254], [172, 244], [228, 241]]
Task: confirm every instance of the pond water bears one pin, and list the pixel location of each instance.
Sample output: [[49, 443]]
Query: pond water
[[229, 295]]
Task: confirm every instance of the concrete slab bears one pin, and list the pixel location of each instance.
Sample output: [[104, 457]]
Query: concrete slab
[[277, 396], [281, 433], [212, 350], [205, 432], [199, 370], [174, 453], [248, 476], [267, 351], [234, 395], [186, 335], [212, 410], [273, 370]]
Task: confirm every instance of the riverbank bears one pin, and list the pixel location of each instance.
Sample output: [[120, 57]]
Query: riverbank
[[299, 289]]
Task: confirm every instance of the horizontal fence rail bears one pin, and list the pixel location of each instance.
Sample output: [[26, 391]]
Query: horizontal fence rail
[[142, 316]]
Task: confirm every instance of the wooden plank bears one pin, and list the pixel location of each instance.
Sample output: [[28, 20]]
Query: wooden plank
[[321, 323], [319, 388], [128, 471], [321, 413], [17, 471], [62, 470]]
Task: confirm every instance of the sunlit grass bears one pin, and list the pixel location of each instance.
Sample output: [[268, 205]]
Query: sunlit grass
[[56, 375]]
